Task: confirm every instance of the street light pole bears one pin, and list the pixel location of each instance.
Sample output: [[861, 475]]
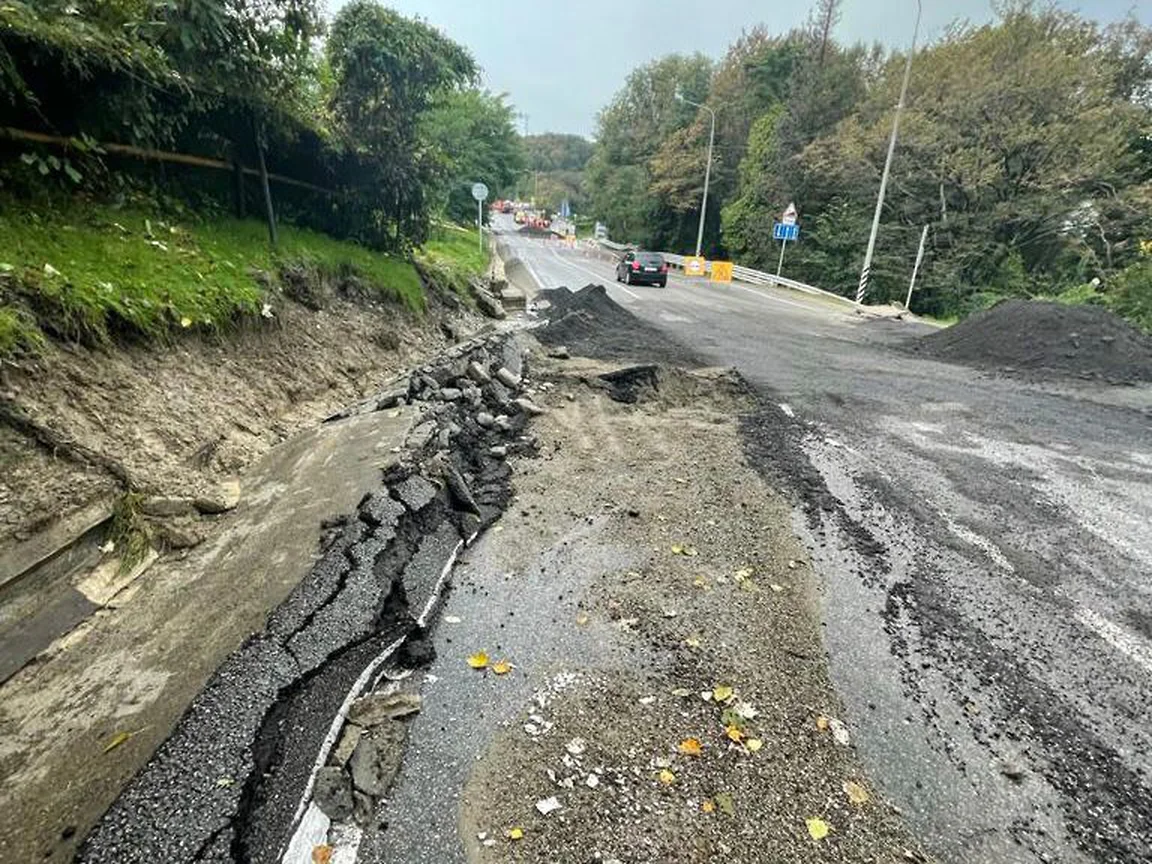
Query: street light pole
[[862, 288], [707, 171]]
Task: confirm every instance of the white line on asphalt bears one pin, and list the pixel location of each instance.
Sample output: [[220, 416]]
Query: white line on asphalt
[[1137, 649], [591, 273]]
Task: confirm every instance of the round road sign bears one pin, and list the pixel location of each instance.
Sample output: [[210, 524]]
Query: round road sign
[[479, 191]]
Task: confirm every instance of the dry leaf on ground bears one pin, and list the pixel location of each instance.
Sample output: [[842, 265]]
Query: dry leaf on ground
[[856, 793], [321, 854], [690, 747], [667, 777], [501, 667], [514, 833], [722, 692], [817, 828], [479, 660]]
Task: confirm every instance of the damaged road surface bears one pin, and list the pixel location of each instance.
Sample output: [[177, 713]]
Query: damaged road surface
[[981, 534], [267, 737]]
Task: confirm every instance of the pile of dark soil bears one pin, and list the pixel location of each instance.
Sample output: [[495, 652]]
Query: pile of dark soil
[[592, 324], [1043, 340]]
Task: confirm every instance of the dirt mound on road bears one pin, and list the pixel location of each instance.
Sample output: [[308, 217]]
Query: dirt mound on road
[[1046, 340], [591, 323]]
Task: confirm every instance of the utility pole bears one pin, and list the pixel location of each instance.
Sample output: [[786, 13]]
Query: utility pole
[[866, 272], [916, 268], [707, 170]]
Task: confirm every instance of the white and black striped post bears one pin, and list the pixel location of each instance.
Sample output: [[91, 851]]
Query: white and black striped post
[[862, 288]]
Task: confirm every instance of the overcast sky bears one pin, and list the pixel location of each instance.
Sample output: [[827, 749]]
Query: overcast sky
[[561, 60]]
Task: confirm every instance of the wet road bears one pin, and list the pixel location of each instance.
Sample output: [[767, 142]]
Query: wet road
[[987, 564]]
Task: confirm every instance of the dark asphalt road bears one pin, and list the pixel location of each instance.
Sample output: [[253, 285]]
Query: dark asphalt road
[[993, 646]]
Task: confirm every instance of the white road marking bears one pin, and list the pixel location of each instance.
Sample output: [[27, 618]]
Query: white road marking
[[599, 277], [1123, 640]]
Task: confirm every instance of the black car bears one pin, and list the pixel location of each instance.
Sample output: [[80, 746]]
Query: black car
[[642, 268]]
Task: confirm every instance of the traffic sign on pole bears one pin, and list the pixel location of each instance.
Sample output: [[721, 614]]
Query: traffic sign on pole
[[789, 215], [784, 231]]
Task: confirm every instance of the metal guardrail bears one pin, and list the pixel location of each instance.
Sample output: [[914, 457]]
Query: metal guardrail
[[741, 274]]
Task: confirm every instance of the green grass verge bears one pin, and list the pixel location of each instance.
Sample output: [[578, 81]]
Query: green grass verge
[[457, 248], [93, 272], [452, 256]]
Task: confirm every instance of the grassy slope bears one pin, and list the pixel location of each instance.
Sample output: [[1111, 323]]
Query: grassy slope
[[96, 271]]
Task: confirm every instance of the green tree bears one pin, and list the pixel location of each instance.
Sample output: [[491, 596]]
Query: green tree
[[630, 132], [473, 138], [388, 71]]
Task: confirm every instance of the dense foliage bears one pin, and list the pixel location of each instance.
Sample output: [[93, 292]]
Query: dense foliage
[[348, 108], [555, 171], [1026, 147]]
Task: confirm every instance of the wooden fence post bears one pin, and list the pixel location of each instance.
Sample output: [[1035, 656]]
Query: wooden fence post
[[268, 211]]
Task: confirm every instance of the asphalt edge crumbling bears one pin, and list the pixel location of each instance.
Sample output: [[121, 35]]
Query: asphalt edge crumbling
[[231, 781]]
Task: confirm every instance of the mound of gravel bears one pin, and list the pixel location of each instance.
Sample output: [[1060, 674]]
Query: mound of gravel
[[592, 324], [1042, 339]]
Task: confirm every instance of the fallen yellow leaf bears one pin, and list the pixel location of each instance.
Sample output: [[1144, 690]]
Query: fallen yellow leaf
[[667, 777], [856, 793], [692, 641], [321, 854], [690, 551], [118, 739], [734, 733], [501, 667], [700, 582], [690, 747], [817, 828], [753, 744], [742, 574], [515, 833], [185, 322], [722, 692], [479, 660], [707, 806], [677, 549], [822, 723], [582, 619]]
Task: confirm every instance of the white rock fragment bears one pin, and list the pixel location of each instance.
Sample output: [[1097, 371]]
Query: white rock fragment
[[576, 746], [548, 805], [592, 781], [839, 731]]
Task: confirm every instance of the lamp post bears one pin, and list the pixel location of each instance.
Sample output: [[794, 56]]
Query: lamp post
[[707, 170], [862, 288]]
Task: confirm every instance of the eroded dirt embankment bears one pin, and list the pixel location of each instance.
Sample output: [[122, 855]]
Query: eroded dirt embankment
[[78, 424]]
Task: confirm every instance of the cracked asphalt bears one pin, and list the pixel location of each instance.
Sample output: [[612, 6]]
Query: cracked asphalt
[[983, 547]]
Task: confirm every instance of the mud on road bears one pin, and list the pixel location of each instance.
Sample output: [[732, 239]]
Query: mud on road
[[642, 571]]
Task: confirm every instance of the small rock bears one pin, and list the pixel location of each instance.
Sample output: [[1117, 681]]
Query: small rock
[[548, 805], [227, 497], [176, 537], [560, 352], [166, 507], [333, 793], [529, 407], [485, 420], [349, 738], [450, 394], [375, 761], [375, 708], [576, 746], [498, 452], [507, 378], [477, 373]]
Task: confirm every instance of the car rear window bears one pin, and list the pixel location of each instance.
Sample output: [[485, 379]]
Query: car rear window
[[650, 258]]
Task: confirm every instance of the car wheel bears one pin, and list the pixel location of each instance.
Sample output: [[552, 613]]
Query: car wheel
[[663, 283], [627, 277]]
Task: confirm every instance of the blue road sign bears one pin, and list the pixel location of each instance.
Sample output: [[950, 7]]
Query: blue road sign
[[780, 231]]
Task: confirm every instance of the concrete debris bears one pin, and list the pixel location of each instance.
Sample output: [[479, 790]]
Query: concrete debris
[[226, 498], [478, 374], [333, 793], [375, 708], [529, 407], [506, 377], [548, 805], [375, 762], [560, 352]]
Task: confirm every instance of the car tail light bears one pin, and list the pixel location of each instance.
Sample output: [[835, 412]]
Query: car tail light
[[635, 265], [664, 267]]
